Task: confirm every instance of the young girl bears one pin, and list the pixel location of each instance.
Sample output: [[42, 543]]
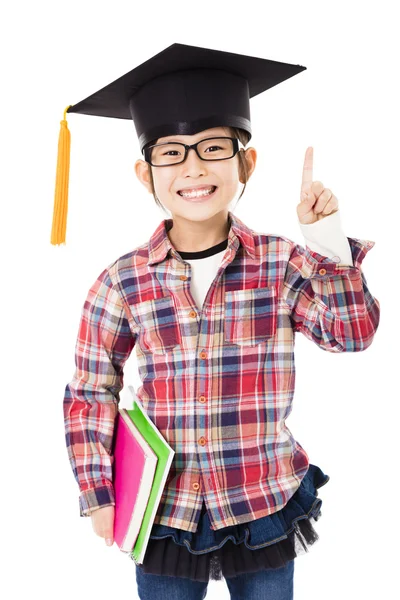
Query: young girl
[[211, 308]]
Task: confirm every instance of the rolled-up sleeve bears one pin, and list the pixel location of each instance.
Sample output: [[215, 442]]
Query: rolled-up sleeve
[[104, 342], [330, 302]]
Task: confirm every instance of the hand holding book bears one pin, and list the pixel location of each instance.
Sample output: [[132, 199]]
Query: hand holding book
[[103, 523]]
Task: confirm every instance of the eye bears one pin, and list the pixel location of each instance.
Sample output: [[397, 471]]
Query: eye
[[219, 147]]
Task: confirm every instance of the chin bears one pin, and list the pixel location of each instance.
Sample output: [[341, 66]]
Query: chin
[[200, 213]]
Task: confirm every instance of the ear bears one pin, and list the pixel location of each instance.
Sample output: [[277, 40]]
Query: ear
[[250, 156], [142, 170]]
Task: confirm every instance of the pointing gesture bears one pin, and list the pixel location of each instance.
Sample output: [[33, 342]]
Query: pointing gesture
[[316, 202]]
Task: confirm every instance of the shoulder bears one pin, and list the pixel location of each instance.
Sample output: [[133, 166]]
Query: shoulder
[[136, 258], [125, 271], [272, 242]]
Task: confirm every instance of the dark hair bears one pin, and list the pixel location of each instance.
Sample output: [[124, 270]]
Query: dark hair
[[242, 135]]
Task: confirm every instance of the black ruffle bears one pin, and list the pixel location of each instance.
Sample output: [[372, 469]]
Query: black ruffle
[[266, 543]]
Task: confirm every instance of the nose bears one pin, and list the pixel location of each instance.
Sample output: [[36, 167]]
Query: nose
[[193, 164]]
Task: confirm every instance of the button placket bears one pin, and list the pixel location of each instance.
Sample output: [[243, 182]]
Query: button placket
[[203, 355], [202, 440], [192, 313]]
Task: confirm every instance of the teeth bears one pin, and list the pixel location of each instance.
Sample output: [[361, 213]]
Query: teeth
[[194, 194]]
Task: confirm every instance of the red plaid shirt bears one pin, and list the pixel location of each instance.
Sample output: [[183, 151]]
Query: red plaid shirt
[[218, 383]]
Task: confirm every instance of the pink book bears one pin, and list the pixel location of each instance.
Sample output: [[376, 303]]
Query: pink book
[[134, 468]]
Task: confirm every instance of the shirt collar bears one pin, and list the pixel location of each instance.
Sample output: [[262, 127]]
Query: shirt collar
[[160, 244]]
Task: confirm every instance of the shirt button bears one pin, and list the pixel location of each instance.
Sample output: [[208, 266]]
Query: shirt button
[[202, 399], [196, 486], [203, 354], [192, 313], [322, 271], [202, 441], [183, 277]]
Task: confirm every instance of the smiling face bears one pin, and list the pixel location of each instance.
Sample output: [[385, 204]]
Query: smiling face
[[196, 173]]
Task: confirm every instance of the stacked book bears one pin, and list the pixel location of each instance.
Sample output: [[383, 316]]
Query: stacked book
[[142, 460]]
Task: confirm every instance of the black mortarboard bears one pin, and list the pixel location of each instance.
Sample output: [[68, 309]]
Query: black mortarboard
[[181, 90]]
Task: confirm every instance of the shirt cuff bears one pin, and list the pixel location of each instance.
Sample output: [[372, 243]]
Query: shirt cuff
[[92, 499], [327, 238], [313, 264]]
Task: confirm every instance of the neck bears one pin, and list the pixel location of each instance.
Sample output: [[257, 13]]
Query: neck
[[194, 236]]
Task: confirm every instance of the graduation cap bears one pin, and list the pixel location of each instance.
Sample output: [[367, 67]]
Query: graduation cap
[[181, 90]]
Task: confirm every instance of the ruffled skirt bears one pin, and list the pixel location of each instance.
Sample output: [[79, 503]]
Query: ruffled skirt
[[265, 543]]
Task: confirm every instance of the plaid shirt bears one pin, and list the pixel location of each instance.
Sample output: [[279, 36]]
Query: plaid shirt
[[218, 383]]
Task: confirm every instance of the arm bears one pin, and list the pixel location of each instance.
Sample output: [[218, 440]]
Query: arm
[[91, 399], [327, 238], [330, 302]]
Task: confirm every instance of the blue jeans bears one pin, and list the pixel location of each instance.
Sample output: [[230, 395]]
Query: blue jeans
[[274, 584]]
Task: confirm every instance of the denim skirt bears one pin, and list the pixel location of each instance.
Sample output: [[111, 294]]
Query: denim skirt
[[266, 543]]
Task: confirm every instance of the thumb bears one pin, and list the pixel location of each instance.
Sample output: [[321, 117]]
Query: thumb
[[306, 197], [108, 534]]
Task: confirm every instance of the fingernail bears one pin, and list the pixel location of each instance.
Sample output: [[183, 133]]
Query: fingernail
[[109, 542]]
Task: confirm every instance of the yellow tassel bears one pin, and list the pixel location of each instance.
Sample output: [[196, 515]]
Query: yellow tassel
[[59, 226]]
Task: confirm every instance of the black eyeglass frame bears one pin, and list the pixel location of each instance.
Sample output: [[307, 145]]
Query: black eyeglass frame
[[146, 151]]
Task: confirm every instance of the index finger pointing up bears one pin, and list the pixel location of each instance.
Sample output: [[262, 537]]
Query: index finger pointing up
[[307, 169]]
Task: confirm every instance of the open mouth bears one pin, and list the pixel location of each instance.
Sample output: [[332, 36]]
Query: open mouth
[[203, 194]]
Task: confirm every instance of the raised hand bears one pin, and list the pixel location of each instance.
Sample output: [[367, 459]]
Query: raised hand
[[316, 201]]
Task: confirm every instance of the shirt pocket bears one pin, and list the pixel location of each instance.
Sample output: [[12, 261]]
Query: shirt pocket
[[250, 315], [160, 331]]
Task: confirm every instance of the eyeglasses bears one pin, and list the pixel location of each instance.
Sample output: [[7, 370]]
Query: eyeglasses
[[171, 153]]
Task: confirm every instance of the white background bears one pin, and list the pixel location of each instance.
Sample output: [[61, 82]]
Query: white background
[[345, 412]]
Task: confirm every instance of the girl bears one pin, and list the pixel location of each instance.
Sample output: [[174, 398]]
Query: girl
[[212, 307]]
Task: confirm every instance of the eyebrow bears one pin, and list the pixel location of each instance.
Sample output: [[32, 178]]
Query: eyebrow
[[203, 138]]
